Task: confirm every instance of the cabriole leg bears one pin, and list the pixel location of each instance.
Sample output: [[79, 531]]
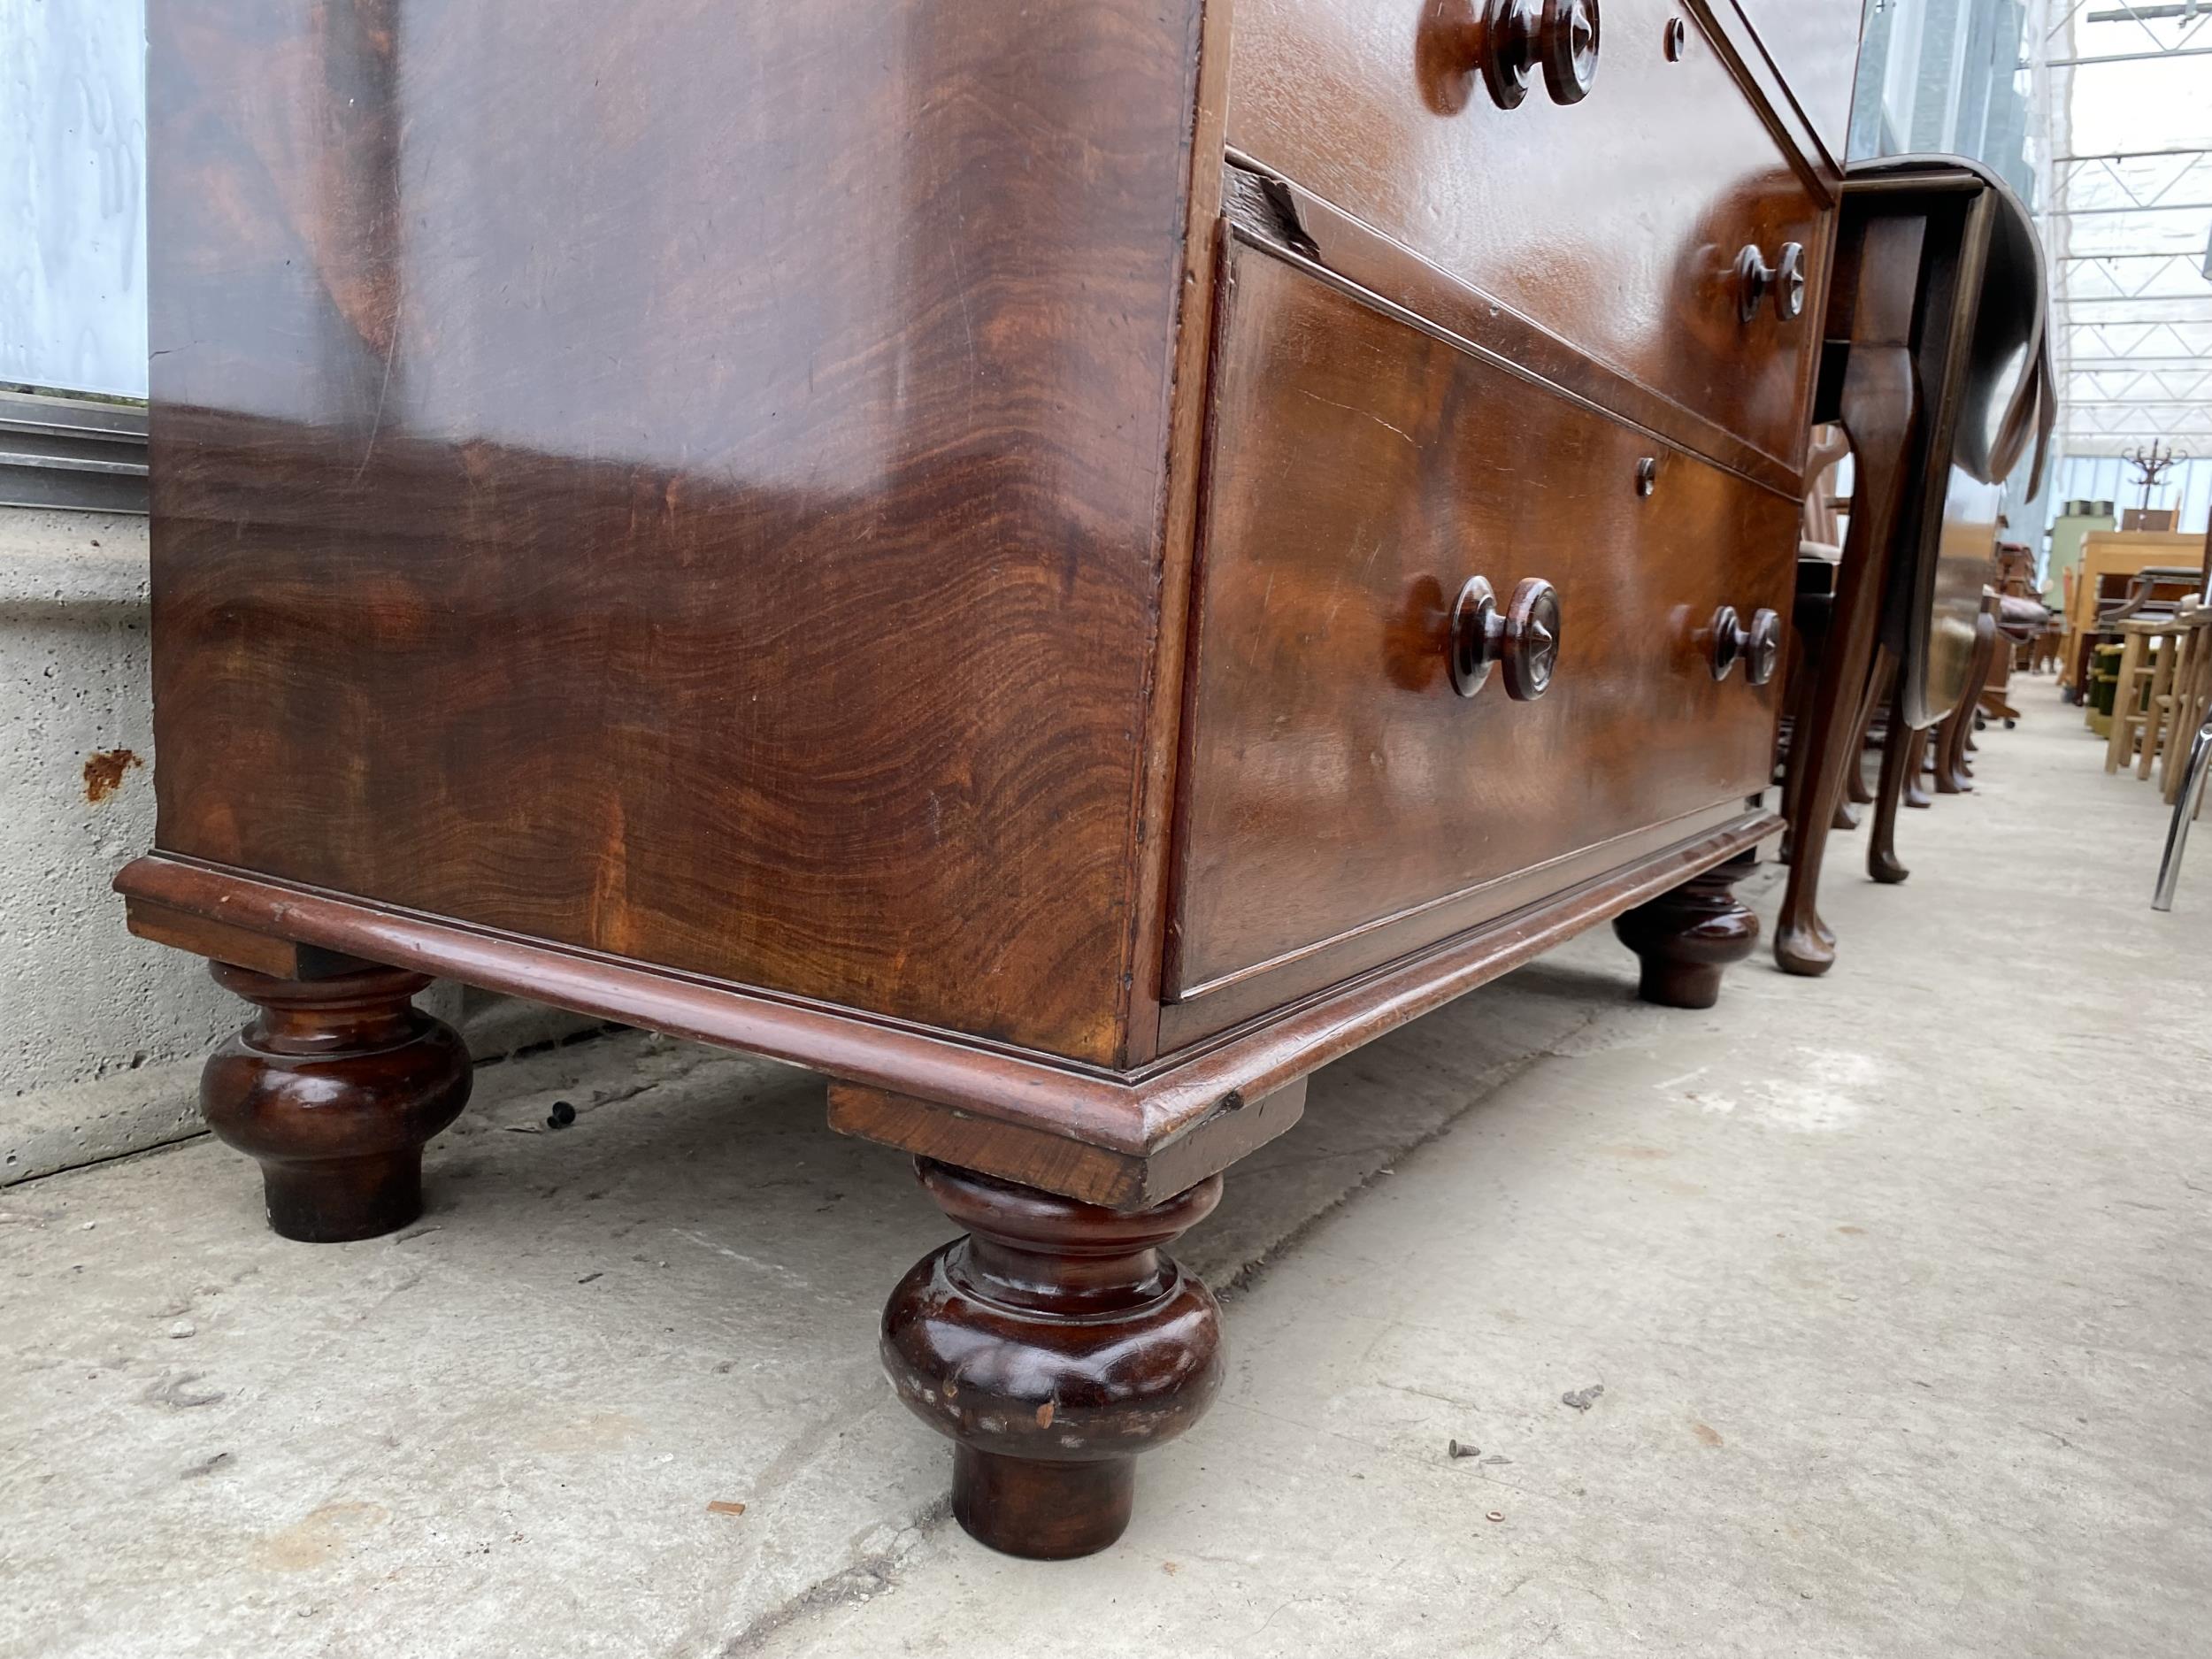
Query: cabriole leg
[[1052, 1344], [333, 1087]]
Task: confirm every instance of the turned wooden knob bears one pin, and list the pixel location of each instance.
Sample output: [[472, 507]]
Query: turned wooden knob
[[1758, 646], [1785, 279], [1523, 638], [1568, 40], [1510, 41]]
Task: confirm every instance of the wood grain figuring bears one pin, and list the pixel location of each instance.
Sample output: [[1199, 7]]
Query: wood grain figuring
[[1361, 470], [1368, 260], [1614, 222], [1188, 412], [1137, 1112], [689, 487]]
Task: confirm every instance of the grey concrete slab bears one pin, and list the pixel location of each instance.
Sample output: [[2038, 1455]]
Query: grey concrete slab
[[1893, 1282]]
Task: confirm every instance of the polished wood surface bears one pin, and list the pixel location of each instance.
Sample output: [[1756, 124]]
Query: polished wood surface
[[1955, 735], [1614, 222], [1879, 406], [1685, 938], [923, 540], [1062, 1162], [567, 532], [1815, 44], [333, 1088], [1149, 1113], [1361, 469], [1316, 231], [1052, 1344], [1937, 364]]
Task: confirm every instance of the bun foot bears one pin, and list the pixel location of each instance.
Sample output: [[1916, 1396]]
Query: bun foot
[[1045, 1511], [1685, 937], [334, 1087], [1052, 1344]]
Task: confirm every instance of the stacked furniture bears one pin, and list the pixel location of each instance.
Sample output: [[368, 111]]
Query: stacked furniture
[[2158, 660], [1065, 566], [2110, 562]]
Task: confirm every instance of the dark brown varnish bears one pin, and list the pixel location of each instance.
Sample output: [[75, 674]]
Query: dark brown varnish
[[334, 1087], [1053, 1343], [882, 536], [1684, 938], [567, 528]]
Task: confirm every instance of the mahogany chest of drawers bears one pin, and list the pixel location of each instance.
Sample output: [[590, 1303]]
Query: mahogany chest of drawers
[[1062, 563]]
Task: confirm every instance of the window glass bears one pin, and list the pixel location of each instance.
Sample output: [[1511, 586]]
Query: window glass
[[73, 195]]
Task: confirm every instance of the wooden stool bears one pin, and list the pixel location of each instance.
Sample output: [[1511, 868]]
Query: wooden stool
[[2172, 669], [2140, 638], [2149, 649]]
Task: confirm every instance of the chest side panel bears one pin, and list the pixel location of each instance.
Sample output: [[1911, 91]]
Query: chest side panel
[[685, 485]]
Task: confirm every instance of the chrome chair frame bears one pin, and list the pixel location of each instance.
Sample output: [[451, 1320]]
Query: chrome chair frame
[[2185, 804]]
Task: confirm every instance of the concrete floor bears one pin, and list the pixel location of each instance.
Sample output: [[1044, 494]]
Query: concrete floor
[[1897, 1285]]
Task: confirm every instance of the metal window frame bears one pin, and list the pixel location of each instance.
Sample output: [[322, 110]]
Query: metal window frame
[[71, 453]]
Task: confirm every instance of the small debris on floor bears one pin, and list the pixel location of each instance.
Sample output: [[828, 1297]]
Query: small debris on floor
[[1453, 1448], [184, 1327], [587, 1277], [1582, 1399], [562, 1115], [724, 1506], [1495, 1459], [1495, 1515]]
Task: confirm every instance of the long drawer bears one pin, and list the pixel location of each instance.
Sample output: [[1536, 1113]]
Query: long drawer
[[1340, 802], [1616, 222]]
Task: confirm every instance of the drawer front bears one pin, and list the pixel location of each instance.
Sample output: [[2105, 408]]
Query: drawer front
[[1616, 222], [1340, 803]]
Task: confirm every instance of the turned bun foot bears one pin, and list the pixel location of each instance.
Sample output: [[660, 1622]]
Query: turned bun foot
[[1685, 937], [334, 1087], [1052, 1344]]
